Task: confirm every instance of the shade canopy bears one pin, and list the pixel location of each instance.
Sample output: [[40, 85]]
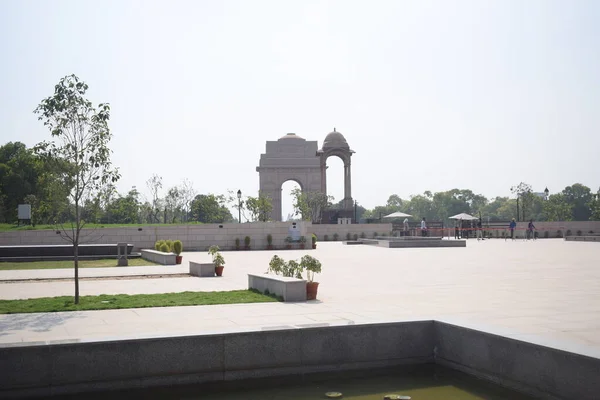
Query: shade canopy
[[398, 214], [464, 216]]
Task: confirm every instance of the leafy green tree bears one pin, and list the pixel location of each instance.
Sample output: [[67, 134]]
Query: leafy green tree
[[594, 205], [579, 196], [209, 208], [557, 208], [19, 172], [80, 137], [259, 207], [310, 205], [525, 198]]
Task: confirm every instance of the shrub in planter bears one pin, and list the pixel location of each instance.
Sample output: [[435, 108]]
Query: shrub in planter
[[292, 270], [335, 237], [170, 244], [312, 266], [348, 236], [326, 238], [158, 244], [164, 248], [355, 237], [375, 234], [288, 242], [362, 235], [247, 243], [568, 232], [177, 249], [579, 233], [217, 259], [237, 243], [559, 233], [314, 241], [302, 242], [269, 242], [276, 265], [546, 234]]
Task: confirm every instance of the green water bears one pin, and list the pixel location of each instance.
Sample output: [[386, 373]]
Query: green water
[[426, 383]]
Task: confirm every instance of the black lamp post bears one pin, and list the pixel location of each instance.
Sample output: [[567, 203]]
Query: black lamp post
[[239, 194], [546, 192], [355, 214]]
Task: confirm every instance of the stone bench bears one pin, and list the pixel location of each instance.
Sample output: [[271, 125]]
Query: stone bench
[[291, 289], [159, 257], [202, 269]]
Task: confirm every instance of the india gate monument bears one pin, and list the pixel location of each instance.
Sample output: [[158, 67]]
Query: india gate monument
[[293, 158]]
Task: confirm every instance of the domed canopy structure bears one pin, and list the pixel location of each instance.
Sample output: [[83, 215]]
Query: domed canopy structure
[[335, 140], [291, 136]]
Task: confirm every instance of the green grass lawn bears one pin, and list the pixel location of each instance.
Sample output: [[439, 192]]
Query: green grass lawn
[[135, 262], [109, 302], [13, 227]]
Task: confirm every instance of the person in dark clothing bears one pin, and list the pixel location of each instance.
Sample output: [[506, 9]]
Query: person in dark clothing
[[457, 224], [512, 226], [479, 230], [530, 229]]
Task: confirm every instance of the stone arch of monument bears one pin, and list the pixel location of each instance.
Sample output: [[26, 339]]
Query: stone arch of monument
[[293, 158]]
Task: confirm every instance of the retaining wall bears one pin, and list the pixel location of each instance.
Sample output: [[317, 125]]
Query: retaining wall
[[48, 369], [195, 237]]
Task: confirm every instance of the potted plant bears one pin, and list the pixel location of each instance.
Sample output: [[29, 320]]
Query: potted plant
[[217, 259], [237, 243], [375, 235], [579, 233], [302, 241], [269, 242], [559, 233], [157, 245], [247, 243], [335, 237], [288, 242], [312, 266], [348, 236], [355, 237], [363, 235], [326, 238], [314, 241], [178, 248], [292, 269]]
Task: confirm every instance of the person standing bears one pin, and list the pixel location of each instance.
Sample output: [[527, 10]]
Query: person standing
[[405, 225], [530, 229], [423, 227], [457, 225], [479, 229], [512, 227]]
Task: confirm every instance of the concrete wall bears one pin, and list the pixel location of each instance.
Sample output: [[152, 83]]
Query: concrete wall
[[77, 367], [553, 227], [342, 230], [540, 371], [48, 369], [195, 237]]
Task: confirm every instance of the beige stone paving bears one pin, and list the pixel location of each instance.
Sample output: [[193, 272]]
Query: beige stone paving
[[547, 291]]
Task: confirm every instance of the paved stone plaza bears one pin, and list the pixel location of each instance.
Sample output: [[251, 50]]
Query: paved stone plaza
[[544, 291]]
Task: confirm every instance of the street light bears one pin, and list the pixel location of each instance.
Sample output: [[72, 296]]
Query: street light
[[546, 192], [239, 194]]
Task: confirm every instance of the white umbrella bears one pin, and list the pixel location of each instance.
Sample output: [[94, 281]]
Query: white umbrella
[[463, 216], [398, 214]]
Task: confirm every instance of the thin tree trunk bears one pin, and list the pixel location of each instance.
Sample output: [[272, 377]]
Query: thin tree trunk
[[76, 264]]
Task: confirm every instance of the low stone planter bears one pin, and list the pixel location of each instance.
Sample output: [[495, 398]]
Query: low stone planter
[[202, 270], [291, 289], [159, 257]]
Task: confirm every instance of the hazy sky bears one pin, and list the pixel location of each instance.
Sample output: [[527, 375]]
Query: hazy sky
[[431, 95]]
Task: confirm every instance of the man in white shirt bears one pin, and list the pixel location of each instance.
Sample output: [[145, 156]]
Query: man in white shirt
[[423, 227], [405, 223]]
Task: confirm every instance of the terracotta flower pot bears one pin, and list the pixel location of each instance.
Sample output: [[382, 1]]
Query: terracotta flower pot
[[178, 259], [269, 247], [288, 246], [311, 290], [219, 270], [314, 246]]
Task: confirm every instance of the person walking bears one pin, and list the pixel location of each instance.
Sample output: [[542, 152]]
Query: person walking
[[405, 224], [423, 227], [457, 224], [530, 229], [512, 226], [479, 229]]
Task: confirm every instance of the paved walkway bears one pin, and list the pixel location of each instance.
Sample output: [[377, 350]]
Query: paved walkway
[[547, 291]]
